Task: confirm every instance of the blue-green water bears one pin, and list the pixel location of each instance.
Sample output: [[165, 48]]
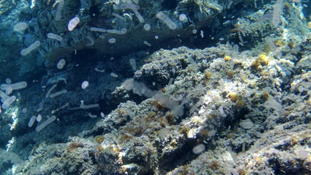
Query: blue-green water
[[155, 87]]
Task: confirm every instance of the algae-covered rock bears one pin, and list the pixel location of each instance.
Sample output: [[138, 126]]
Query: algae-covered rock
[[6, 6], [226, 123]]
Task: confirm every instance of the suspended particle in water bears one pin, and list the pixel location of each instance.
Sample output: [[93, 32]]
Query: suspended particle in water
[[8, 81], [166, 20], [102, 114], [39, 118], [85, 84], [202, 34], [147, 43], [133, 64], [198, 149], [183, 18], [114, 75], [20, 27], [73, 23], [112, 40], [61, 64], [147, 27]]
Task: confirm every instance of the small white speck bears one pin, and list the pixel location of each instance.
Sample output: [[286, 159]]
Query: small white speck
[[84, 84]]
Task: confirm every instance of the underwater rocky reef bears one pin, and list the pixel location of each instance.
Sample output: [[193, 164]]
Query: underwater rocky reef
[[155, 87]]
